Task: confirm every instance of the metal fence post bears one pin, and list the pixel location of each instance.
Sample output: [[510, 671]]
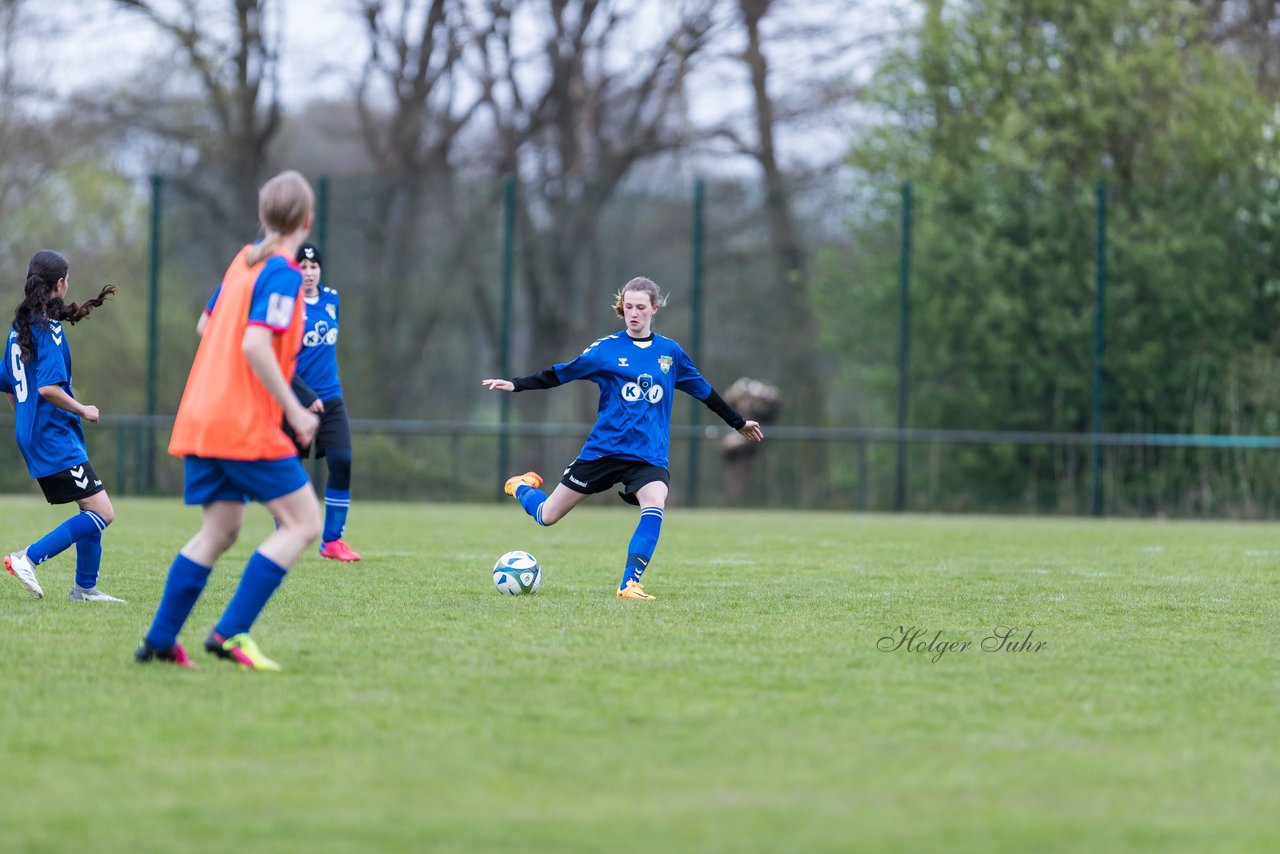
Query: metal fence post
[[904, 348], [861, 502], [322, 214], [1099, 343], [695, 334], [504, 359], [153, 323]]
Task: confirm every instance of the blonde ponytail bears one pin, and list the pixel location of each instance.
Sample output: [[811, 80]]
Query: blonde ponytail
[[285, 204]]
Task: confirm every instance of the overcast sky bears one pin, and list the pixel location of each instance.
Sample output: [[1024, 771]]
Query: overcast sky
[[97, 41]]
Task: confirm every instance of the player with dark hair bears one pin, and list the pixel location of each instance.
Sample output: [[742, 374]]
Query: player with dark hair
[[318, 368], [228, 433], [36, 378], [637, 371]]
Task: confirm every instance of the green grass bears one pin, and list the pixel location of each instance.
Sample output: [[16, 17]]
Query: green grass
[[748, 709]]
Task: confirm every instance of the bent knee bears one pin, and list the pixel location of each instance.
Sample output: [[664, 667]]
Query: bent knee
[[314, 529], [219, 540], [308, 528], [100, 506]]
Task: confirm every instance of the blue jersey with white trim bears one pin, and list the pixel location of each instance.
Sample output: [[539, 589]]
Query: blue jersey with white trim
[[318, 358], [49, 438], [637, 379]]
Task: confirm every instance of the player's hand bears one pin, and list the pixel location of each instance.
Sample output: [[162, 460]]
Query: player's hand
[[751, 430], [317, 406], [304, 423], [90, 413], [498, 385]]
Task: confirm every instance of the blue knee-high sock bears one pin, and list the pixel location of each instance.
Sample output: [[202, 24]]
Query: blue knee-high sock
[[337, 493], [83, 524], [88, 560], [261, 577], [531, 500], [182, 588], [643, 543], [336, 504]]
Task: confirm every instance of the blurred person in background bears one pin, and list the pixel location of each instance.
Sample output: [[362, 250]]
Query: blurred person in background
[[318, 369]]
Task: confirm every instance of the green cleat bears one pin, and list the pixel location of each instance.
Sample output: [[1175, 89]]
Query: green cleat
[[241, 649]]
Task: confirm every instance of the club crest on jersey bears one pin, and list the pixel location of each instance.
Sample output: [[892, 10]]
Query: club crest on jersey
[[664, 362], [332, 310]]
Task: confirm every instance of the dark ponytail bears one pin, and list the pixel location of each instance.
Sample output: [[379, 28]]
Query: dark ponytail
[[39, 305]]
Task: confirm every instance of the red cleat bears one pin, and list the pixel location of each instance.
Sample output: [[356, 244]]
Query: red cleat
[[338, 550]]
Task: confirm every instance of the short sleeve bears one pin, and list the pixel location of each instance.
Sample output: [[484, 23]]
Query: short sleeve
[[213, 300], [587, 364], [275, 293], [689, 379], [51, 356]]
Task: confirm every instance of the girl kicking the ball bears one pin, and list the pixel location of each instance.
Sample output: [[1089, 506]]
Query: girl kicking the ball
[[637, 371]]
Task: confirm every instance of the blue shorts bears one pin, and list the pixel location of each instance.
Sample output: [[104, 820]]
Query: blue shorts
[[206, 479]]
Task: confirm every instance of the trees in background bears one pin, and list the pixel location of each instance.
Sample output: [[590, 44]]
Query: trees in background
[[1006, 114], [1003, 113], [580, 96], [217, 107]]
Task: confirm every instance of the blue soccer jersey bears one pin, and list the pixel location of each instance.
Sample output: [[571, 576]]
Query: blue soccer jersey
[[49, 438], [636, 380], [318, 358]]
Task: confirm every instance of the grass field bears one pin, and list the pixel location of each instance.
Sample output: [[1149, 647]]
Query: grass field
[[753, 707]]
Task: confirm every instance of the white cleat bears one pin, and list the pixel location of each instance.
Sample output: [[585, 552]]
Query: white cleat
[[93, 594], [21, 568]]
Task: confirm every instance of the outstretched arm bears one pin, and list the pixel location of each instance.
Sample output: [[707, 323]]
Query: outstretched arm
[[750, 430], [542, 379]]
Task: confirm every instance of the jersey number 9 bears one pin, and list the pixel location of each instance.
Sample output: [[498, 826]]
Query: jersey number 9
[[19, 372]]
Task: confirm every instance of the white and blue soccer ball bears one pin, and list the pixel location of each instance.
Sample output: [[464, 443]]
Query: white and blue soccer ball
[[517, 573]]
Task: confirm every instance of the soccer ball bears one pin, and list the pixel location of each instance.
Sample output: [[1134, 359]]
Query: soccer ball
[[516, 573]]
